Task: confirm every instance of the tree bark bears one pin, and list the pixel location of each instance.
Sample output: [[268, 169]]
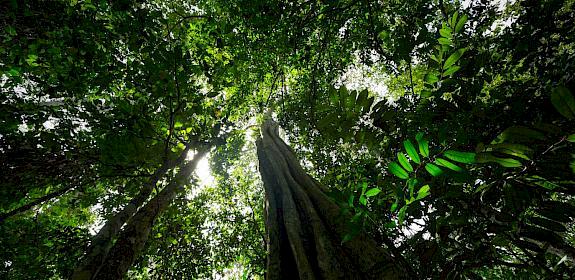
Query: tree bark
[[133, 237], [304, 227], [102, 242]]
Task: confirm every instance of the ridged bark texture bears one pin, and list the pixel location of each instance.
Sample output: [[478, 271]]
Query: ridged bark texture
[[304, 227], [135, 234]]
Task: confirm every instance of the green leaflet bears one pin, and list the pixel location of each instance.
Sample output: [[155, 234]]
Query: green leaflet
[[453, 19], [444, 41], [542, 182], [423, 192], [461, 23], [433, 169], [431, 78], [423, 147], [571, 138], [463, 157], [505, 162], [404, 162], [454, 57], [372, 192], [410, 149], [510, 149], [396, 170], [448, 164], [445, 32], [563, 101], [401, 214], [363, 200], [519, 134], [451, 70]]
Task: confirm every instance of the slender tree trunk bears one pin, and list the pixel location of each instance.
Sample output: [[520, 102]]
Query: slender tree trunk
[[305, 228], [102, 242], [133, 237]]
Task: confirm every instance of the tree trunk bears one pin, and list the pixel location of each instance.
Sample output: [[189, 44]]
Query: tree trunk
[[102, 242], [134, 236], [304, 227]]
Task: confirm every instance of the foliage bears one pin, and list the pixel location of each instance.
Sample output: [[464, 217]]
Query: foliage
[[463, 165]]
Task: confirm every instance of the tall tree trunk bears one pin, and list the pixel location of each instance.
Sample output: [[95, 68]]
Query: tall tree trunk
[[135, 234], [304, 227], [102, 242]]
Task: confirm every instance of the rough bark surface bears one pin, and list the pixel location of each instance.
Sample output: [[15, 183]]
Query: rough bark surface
[[133, 237], [304, 227], [102, 242]]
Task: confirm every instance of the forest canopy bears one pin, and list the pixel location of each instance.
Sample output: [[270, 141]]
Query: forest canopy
[[139, 139]]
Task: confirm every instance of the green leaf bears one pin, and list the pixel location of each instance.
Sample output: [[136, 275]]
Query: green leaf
[[451, 70], [401, 214], [363, 187], [431, 78], [433, 169], [563, 101], [411, 183], [505, 162], [454, 57], [453, 19], [448, 164], [363, 200], [571, 138], [445, 32], [423, 192], [372, 192], [508, 162], [410, 149], [398, 171], [393, 207], [444, 41], [404, 162], [461, 23], [14, 72], [517, 150], [462, 157], [350, 200], [542, 182], [519, 134], [423, 145]]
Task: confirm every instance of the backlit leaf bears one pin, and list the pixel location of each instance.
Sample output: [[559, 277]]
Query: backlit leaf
[[460, 23], [448, 164], [410, 149], [423, 192], [463, 157], [372, 192], [423, 146], [433, 169], [396, 170], [451, 70], [453, 58], [404, 162]]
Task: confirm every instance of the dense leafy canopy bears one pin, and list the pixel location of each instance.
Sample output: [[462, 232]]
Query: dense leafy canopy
[[443, 128]]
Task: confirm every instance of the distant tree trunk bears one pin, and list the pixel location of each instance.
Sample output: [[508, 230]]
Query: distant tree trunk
[[133, 237], [102, 242], [304, 227]]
